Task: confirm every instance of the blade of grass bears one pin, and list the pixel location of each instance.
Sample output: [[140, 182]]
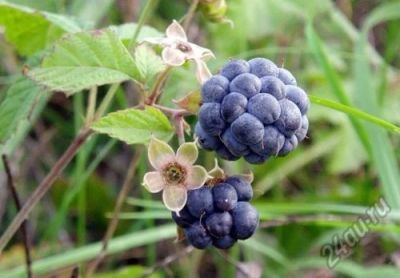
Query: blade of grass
[[382, 154], [354, 112], [316, 46], [145, 203], [90, 251]]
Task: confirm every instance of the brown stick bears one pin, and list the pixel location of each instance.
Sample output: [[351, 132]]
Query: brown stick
[[24, 230], [44, 187], [112, 226]]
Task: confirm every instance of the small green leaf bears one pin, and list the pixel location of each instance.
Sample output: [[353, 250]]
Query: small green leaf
[[30, 30], [17, 106], [148, 62], [135, 126], [86, 59], [190, 102]]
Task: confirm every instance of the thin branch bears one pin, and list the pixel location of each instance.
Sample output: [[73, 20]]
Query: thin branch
[[168, 260], [44, 187], [112, 226], [158, 85], [190, 14], [24, 230]]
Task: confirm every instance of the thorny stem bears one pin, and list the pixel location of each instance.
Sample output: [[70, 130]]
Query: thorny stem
[[44, 186], [24, 228], [112, 226], [158, 85]]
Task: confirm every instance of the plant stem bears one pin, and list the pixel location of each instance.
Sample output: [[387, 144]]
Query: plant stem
[[118, 206], [158, 85], [190, 14], [146, 12], [24, 228], [44, 186], [91, 105], [107, 100]]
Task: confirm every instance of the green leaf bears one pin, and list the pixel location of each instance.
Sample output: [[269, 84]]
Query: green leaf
[[148, 62], [29, 30], [83, 60], [17, 106], [135, 126], [128, 272], [126, 32]]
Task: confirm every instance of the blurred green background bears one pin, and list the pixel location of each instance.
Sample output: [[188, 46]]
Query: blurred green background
[[346, 51]]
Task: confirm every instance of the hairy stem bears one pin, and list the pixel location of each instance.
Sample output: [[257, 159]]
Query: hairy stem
[[112, 226], [158, 85], [44, 187]]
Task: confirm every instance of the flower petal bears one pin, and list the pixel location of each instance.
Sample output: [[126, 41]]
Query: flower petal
[[187, 153], [160, 153], [199, 52], [175, 31], [153, 181], [202, 71], [174, 197], [173, 57], [197, 177]]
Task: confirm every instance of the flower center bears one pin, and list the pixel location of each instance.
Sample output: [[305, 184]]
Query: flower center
[[174, 173], [184, 47]]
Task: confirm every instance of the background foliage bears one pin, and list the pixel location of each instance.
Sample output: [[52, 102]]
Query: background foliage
[[344, 51]]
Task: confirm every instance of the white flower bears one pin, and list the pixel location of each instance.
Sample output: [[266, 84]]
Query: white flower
[[175, 173], [177, 50]]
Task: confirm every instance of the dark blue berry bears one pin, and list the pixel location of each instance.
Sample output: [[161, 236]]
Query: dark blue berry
[[245, 220], [265, 107], [301, 133], [200, 202], [273, 86], [210, 118], [225, 196], [206, 141], [185, 219], [271, 144], [219, 224], [224, 153], [234, 68], [235, 147], [225, 242], [197, 236], [263, 67], [286, 77], [289, 145], [214, 89], [246, 84], [290, 118], [233, 105], [254, 158], [247, 129], [298, 97], [243, 188]]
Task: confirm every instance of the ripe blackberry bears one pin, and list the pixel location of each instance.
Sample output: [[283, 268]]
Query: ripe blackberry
[[252, 109]]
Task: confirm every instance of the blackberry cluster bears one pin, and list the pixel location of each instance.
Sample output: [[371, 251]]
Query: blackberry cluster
[[218, 215], [252, 109]]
